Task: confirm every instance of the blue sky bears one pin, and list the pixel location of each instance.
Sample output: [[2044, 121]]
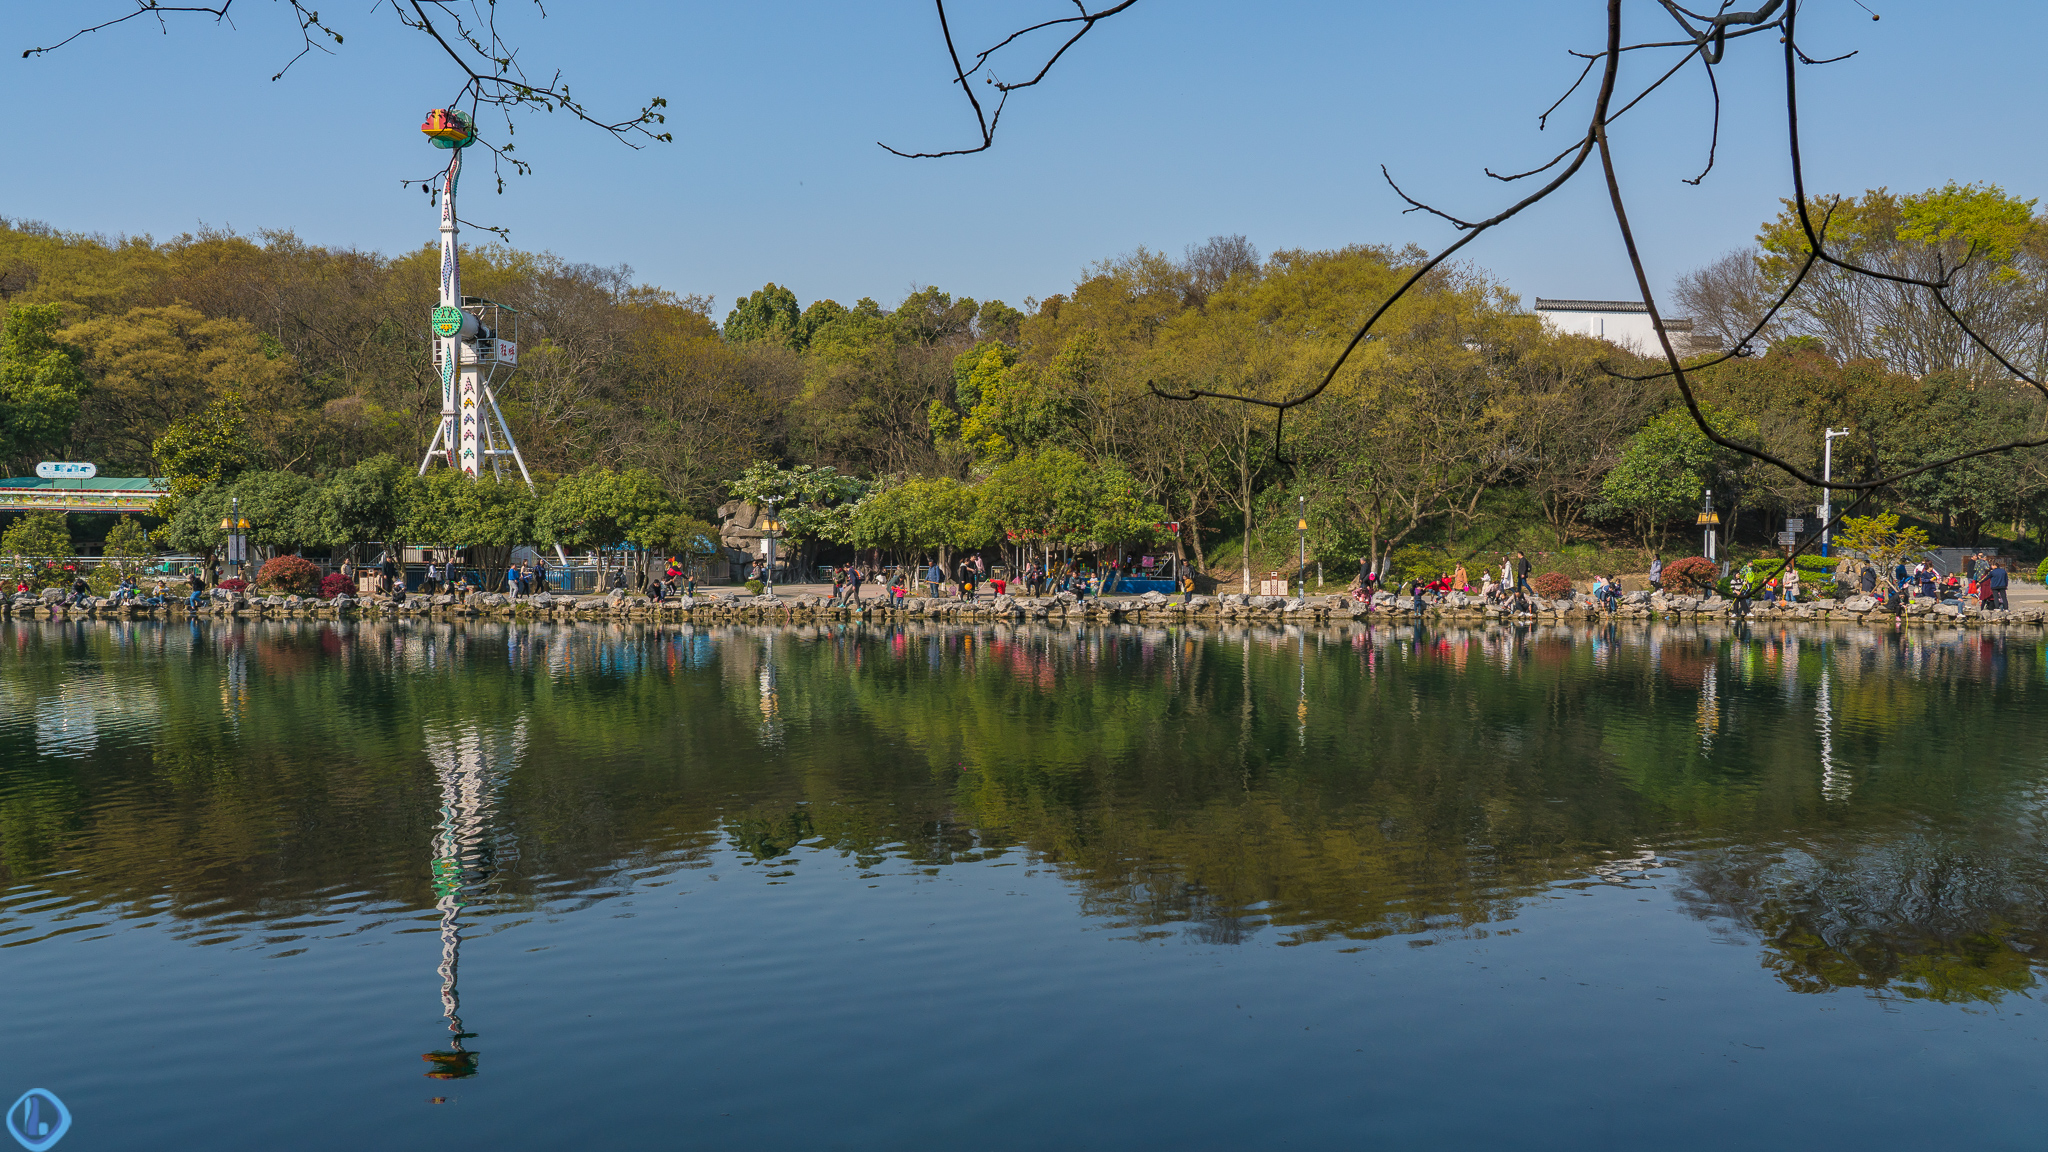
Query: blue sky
[[1178, 120]]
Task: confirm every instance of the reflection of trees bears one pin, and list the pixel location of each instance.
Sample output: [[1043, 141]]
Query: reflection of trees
[[1921, 915], [1436, 779]]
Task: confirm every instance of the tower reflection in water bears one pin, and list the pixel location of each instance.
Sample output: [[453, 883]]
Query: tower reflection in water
[[471, 764]]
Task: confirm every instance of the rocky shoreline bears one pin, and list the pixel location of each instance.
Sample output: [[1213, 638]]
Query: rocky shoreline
[[1149, 608]]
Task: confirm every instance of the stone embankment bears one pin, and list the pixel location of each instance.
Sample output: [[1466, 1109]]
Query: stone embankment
[[1151, 607]]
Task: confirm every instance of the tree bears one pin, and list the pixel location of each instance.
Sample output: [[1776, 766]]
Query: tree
[[1882, 543], [600, 509], [1984, 241], [202, 450], [127, 546], [917, 517], [771, 315], [30, 542], [1665, 470], [41, 383], [814, 504], [359, 504], [693, 409], [483, 514], [154, 368]]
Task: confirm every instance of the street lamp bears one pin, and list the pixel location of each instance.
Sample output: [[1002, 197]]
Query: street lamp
[[769, 528], [1827, 495], [237, 530], [1301, 530], [1707, 520]]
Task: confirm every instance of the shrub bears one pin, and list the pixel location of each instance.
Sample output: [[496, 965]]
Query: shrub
[[2041, 573], [755, 586], [233, 584], [1692, 576], [292, 575], [1552, 585], [335, 584], [1416, 562]]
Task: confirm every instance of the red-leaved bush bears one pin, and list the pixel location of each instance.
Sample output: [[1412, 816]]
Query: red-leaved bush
[[292, 575], [1552, 585], [1692, 576], [335, 584], [232, 584]]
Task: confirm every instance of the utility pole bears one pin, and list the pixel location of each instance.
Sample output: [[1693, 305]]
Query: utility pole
[[1827, 495]]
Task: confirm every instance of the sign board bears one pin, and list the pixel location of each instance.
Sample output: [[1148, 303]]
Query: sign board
[[1795, 526], [1787, 539], [60, 470]]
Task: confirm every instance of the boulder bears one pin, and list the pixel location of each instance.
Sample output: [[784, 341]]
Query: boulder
[[1294, 605], [1153, 599], [53, 595], [542, 600], [493, 600], [1198, 603]]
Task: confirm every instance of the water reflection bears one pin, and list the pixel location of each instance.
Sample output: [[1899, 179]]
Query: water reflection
[[468, 851], [1858, 806]]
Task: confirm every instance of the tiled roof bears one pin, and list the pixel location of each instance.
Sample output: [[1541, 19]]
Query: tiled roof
[[1543, 305]]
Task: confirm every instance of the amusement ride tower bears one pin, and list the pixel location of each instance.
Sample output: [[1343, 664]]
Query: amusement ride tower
[[474, 339]]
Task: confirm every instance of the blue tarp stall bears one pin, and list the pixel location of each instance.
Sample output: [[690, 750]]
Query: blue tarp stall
[[1121, 585]]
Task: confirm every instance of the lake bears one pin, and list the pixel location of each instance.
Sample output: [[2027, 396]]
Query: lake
[[399, 885]]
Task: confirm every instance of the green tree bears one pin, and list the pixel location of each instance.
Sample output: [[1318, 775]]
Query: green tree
[[360, 503], [769, 315], [482, 514], [210, 447], [600, 509], [920, 516], [41, 381], [30, 542], [1665, 470], [127, 546], [814, 504]]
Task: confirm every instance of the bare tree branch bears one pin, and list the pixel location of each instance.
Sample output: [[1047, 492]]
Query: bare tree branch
[[987, 123], [466, 31]]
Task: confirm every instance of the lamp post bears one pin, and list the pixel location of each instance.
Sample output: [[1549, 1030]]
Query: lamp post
[[1301, 530], [1827, 495], [769, 527], [1707, 520], [237, 539]]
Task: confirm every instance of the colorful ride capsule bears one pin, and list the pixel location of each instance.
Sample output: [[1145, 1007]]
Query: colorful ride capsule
[[449, 128]]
